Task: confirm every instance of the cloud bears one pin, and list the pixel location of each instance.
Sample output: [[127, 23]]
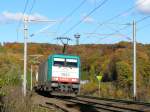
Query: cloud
[[13, 17], [87, 19], [144, 6]]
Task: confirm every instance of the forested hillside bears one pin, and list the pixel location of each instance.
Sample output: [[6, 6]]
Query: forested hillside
[[113, 61]]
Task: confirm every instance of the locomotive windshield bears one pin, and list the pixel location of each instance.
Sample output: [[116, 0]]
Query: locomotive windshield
[[65, 62], [71, 63], [59, 62]]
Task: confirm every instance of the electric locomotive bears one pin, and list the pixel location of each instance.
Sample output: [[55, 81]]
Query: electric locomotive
[[60, 73]]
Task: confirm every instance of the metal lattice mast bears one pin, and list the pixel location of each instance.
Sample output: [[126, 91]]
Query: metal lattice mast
[[77, 36]]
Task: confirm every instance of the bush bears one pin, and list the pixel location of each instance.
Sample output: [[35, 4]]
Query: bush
[[14, 101]]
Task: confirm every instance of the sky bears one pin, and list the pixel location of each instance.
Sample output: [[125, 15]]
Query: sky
[[69, 17]]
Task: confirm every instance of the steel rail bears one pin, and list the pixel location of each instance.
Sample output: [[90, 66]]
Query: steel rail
[[104, 106], [97, 104], [116, 100]]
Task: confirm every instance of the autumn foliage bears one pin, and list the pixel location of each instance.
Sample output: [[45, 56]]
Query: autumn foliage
[[114, 61]]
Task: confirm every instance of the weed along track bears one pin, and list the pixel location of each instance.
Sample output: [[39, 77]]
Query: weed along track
[[84, 104], [54, 107], [55, 102]]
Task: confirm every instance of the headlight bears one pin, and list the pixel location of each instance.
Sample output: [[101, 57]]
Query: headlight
[[54, 84]]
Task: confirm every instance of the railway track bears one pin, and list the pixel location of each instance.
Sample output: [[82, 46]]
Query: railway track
[[93, 104], [116, 105], [117, 100]]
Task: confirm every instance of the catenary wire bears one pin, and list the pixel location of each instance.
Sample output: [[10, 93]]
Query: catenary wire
[[79, 22], [70, 14], [116, 16]]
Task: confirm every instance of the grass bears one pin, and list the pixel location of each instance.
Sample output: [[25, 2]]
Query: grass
[[14, 101], [110, 90]]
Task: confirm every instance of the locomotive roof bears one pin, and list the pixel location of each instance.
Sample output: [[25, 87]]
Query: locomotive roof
[[64, 56]]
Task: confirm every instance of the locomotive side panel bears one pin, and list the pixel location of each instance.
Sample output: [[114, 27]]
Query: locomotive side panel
[[43, 71]]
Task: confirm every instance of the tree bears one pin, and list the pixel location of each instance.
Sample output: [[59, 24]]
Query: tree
[[92, 73], [145, 73], [124, 74]]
